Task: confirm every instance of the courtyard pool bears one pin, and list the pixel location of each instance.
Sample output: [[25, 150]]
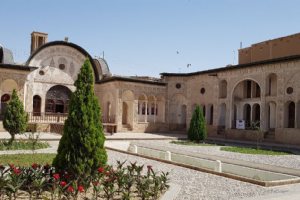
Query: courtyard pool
[[223, 167]]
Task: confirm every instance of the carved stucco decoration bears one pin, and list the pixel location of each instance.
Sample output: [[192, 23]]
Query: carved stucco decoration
[[53, 56]]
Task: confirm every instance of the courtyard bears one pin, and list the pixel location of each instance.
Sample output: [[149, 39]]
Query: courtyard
[[187, 183]]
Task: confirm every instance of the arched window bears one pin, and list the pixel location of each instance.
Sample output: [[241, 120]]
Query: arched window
[[57, 99], [50, 106], [251, 89]]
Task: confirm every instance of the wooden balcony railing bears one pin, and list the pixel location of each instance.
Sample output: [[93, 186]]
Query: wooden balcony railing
[[47, 117], [59, 118]]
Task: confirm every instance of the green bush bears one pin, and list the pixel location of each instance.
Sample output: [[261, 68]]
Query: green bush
[[197, 130], [81, 148], [15, 118], [22, 145]]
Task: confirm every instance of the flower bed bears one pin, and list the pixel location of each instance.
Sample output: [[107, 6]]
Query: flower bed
[[43, 182]]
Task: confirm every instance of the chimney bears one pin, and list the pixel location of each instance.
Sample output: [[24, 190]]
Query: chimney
[[37, 39], [66, 39]]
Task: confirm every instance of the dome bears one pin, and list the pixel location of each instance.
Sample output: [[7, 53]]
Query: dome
[[6, 56], [102, 67]]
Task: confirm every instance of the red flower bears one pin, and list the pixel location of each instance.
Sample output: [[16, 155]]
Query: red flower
[[100, 169], [63, 183], [16, 171], [70, 189], [67, 176], [80, 188], [96, 183], [34, 166], [56, 176]]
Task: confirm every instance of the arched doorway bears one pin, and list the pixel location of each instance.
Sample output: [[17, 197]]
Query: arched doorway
[[182, 119], [222, 115], [178, 112], [124, 113], [4, 100], [247, 115], [57, 99], [36, 105], [127, 109], [290, 114], [272, 116]]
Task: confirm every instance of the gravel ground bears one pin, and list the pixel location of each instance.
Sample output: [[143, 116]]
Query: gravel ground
[[289, 161], [198, 185]]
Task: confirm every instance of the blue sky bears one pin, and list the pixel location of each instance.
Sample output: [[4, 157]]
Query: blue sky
[[147, 37]]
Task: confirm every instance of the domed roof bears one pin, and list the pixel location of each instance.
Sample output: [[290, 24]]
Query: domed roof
[[6, 56], [102, 67]]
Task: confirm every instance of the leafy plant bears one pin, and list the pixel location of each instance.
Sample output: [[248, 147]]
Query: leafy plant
[[81, 148], [44, 182], [197, 129], [15, 118], [22, 145]]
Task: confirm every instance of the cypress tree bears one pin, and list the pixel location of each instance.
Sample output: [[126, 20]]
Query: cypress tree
[[197, 130], [15, 118], [81, 148]]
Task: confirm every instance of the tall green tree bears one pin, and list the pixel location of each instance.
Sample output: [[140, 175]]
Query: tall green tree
[[15, 118], [81, 148], [197, 131]]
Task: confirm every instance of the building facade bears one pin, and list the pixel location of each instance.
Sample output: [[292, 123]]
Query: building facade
[[257, 99]]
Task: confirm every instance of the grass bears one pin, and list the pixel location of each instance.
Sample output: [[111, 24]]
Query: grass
[[246, 150], [26, 159], [23, 145], [190, 143]]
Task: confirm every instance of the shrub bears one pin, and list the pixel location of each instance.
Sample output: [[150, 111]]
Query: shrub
[[15, 118], [197, 130], [81, 148], [108, 182]]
